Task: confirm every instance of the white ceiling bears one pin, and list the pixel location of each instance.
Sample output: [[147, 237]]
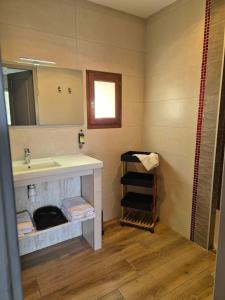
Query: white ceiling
[[140, 8]]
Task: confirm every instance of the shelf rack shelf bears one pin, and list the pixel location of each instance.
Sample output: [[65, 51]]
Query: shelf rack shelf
[[137, 201], [138, 179], [138, 209]]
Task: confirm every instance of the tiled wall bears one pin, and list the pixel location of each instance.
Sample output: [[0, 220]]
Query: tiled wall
[[200, 117], [209, 169], [80, 35], [173, 69]]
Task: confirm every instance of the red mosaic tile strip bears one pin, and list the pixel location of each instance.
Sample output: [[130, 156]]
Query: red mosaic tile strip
[[200, 116]]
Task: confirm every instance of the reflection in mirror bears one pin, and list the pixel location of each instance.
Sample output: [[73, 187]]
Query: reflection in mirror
[[19, 96], [43, 95], [60, 96]]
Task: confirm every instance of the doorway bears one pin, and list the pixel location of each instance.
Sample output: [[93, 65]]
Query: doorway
[[19, 96]]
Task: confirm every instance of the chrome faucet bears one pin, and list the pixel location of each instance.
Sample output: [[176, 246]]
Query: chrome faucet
[[27, 156]]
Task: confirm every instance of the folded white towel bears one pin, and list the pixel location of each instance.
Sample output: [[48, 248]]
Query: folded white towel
[[76, 204], [77, 208], [81, 209], [149, 161], [24, 223], [25, 228], [85, 216]]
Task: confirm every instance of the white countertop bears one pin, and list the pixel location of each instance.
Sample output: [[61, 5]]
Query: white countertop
[[65, 164]]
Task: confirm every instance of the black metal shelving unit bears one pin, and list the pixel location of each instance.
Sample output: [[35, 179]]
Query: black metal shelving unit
[[138, 209]]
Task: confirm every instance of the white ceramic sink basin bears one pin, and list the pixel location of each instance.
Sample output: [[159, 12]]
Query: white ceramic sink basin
[[56, 167], [35, 166]]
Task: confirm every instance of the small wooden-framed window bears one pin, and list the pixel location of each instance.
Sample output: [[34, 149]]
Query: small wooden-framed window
[[103, 99]]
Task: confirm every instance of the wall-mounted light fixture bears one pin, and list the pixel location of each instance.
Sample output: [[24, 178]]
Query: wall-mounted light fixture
[[35, 61]]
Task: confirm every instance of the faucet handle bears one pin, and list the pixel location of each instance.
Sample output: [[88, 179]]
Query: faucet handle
[[27, 150]]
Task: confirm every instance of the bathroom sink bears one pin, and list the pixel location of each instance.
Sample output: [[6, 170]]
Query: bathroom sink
[[35, 166], [41, 169]]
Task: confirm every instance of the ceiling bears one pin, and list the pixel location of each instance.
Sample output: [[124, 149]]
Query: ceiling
[[140, 8]]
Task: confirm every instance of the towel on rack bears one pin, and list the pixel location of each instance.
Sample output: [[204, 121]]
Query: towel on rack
[[77, 208], [149, 161]]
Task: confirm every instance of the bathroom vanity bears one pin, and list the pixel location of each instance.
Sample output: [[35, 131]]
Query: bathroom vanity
[[56, 179]]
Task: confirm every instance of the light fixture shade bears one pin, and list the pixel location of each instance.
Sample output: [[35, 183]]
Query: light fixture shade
[[35, 61]]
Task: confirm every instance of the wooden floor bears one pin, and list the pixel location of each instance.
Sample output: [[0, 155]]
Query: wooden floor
[[133, 265]]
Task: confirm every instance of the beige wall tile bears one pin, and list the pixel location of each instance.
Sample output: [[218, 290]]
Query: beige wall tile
[[43, 141], [173, 65], [133, 114], [176, 85], [20, 42], [108, 145], [178, 51], [97, 56], [175, 208], [175, 140], [174, 22], [94, 56], [172, 113], [133, 88], [117, 30], [52, 16], [128, 62], [176, 168], [113, 142]]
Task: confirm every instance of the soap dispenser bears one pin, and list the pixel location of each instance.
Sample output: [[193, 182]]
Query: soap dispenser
[[81, 138]]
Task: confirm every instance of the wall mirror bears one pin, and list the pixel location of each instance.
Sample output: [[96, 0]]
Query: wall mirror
[[42, 95]]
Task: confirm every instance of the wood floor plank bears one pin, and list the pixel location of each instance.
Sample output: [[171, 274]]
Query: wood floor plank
[[52, 266], [97, 284], [114, 295], [125, 235], [64, 249], [160, 281], [81, 268], [133, 265], [31, 290], [200, 288], [158, 255]]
